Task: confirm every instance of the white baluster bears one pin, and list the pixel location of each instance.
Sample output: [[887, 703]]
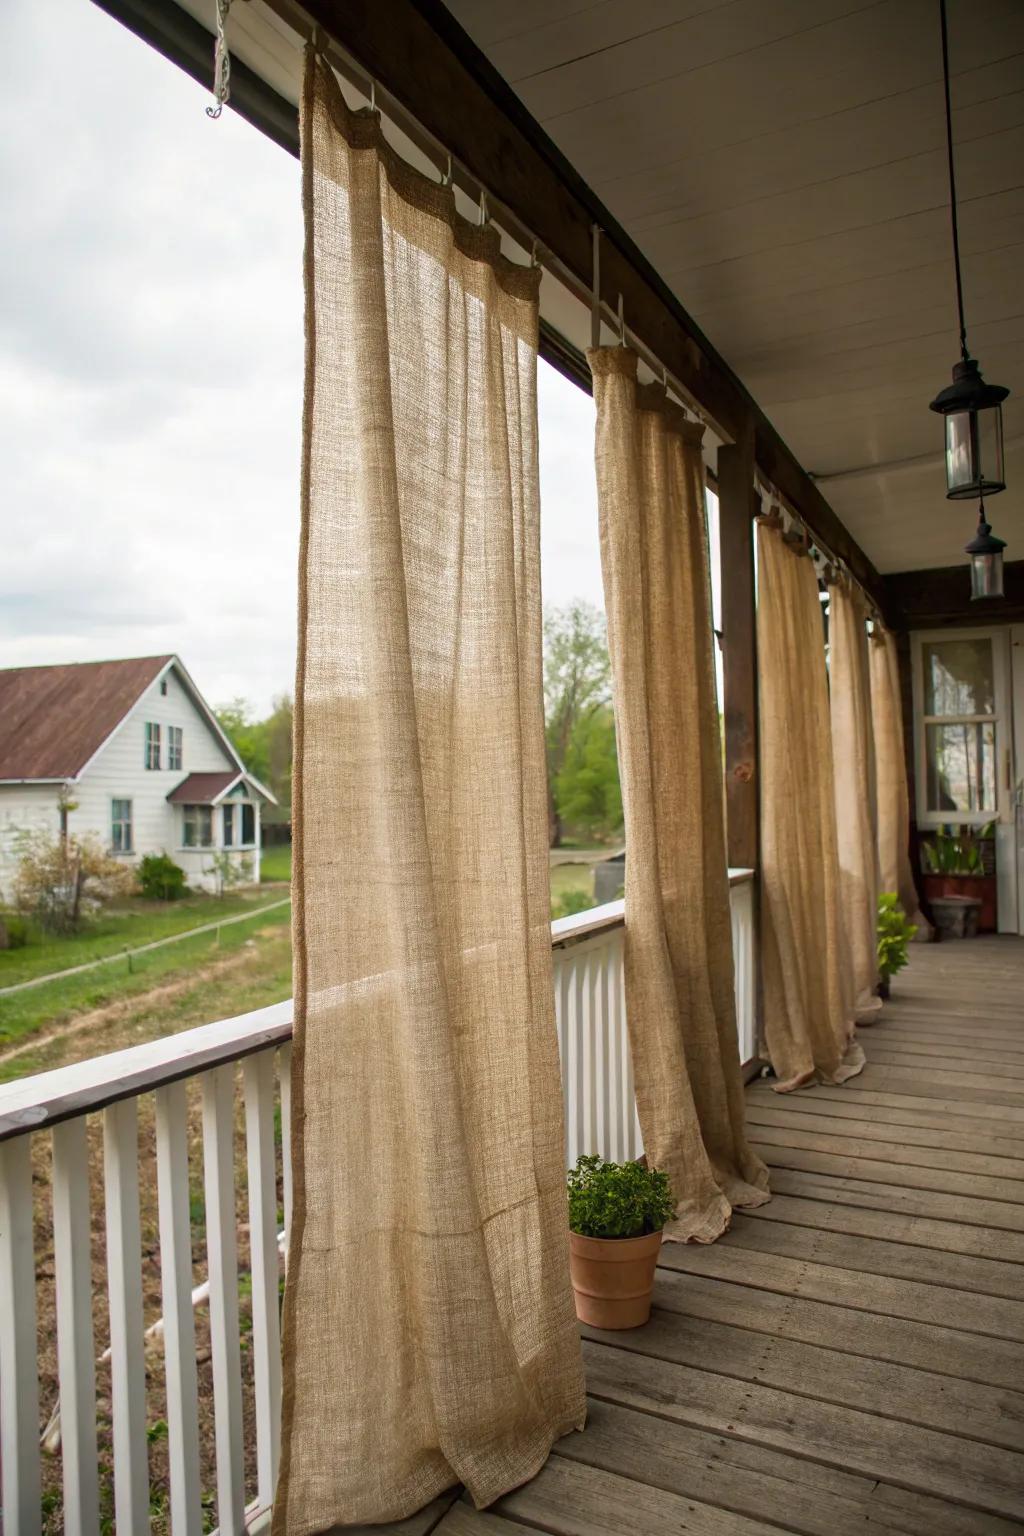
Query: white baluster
[[563, 1008], [258, 1076], [605, 1065], [124, 1290], [75, 1349], [19, 1380], [284, 1068], [222, 1269], [179, 1325]]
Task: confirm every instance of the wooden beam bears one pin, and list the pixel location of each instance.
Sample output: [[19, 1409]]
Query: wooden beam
[[420, 56], [937, 598], [737, 503]]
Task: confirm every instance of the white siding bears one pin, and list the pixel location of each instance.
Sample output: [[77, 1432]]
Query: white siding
[[118, 772], [23, 808]]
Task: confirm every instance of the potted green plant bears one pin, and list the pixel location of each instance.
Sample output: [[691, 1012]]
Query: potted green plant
[[952, 864], [616, 1215], [895, 932]]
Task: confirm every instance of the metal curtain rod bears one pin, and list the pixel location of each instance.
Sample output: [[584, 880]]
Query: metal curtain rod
[[452, 170]]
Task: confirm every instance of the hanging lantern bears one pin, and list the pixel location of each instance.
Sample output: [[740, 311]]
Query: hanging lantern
[[972, 408], [986, 552], [974, 433]]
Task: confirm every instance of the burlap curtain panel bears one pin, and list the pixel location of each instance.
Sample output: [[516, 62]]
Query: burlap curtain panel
[[680, 1002], [853, 759], [429, 1331], [808, 983], [891, 776]]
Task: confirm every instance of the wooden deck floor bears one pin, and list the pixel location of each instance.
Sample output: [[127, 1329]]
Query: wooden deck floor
[[850, 1358]]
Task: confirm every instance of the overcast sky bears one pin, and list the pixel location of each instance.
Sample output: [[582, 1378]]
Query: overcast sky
[[151, 365]]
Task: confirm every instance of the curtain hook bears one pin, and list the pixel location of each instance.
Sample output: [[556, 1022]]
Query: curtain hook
[[373, 95], [484, 211], [446, 179], [534, 258], [622, 325], [595, 291], [221, 62]]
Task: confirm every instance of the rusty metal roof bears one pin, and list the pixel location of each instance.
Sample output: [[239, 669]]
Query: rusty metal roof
[[54, 719], [203, 788]]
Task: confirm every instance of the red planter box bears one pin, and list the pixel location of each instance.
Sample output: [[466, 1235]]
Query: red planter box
[[981, 887]]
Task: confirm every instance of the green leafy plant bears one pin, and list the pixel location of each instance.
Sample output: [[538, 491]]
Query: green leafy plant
[[894, 934], [955, 850], [14, 931], [570, 902], [617, 1199], [160, 878]]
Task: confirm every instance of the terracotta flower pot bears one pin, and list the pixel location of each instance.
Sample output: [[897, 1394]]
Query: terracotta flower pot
[[613, 1278]]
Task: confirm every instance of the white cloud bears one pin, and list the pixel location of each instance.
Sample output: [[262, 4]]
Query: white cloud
[[151, 370]]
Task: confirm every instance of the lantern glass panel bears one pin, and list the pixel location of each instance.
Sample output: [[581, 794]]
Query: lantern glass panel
[[974, 453], [987, 575]]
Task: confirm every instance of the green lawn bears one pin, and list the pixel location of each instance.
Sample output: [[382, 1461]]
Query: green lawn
[[571, 877], [56, 1002], [134, 922], [276, 862]]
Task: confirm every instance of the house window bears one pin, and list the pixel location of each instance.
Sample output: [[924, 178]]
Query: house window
[[198, 826], [163, 686], [229, 826], [959, 726], [248, 825], [152, 757], [174, 752], [121, 826]]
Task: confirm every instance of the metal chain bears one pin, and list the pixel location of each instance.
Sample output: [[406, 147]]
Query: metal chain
[[221, 62]]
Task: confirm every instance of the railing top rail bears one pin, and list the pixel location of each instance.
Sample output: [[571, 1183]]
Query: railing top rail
[[45, 1098]]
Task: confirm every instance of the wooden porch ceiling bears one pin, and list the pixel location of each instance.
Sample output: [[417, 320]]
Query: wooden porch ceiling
[[781, 164], [849, 1358]]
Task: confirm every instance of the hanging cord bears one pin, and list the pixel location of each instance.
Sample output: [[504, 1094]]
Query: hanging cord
[[221, 62], [952, 182]]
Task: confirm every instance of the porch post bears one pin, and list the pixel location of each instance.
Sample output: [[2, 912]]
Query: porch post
[[737, 506]]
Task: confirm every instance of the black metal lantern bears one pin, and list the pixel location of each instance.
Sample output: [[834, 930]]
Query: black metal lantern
[[986, 552], [972, 408], [974, 433]]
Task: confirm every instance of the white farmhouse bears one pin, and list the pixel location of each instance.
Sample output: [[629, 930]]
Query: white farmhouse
[[140, 757]]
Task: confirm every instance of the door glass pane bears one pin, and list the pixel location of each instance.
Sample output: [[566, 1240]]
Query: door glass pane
[[958, 677], [961, 768]]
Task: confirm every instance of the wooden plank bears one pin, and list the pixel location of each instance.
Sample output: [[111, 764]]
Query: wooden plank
[[797, 1496], [567, 1498], [984, 1478], [803, 1208], [951, 1063], [991, 1088], [920, 1303], [770, 1131], [890, 1197], [970, 1186], [970, 1109], [926, 1265], [736, 506], [921, 1042], [976, 1129], [828, 1353]]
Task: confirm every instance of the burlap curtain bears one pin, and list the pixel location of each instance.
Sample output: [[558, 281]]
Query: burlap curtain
[[808, 986], [680, 1002], [429, 1331], [853, 758], [891, 776]]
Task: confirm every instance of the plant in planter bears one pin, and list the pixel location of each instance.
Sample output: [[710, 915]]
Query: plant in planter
[[895, 932], [952, 864], [616, 1215]]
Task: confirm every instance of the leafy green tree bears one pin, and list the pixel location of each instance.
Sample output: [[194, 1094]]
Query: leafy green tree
[[587, 790], [577, 683], [247, 735]]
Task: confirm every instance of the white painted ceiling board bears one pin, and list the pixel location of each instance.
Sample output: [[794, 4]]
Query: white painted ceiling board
[[782, 165]]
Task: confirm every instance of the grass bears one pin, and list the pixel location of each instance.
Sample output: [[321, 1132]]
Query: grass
[[276, 862], [571, 877], [165, 973], [132, 923]]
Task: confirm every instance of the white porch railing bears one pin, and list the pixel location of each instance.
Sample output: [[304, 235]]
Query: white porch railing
[[157, 1079]]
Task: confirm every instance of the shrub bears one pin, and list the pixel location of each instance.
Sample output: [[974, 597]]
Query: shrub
[[14, 931], [571, 902], [160, 878], [617, 1199], [894, 934], [60, 880]]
